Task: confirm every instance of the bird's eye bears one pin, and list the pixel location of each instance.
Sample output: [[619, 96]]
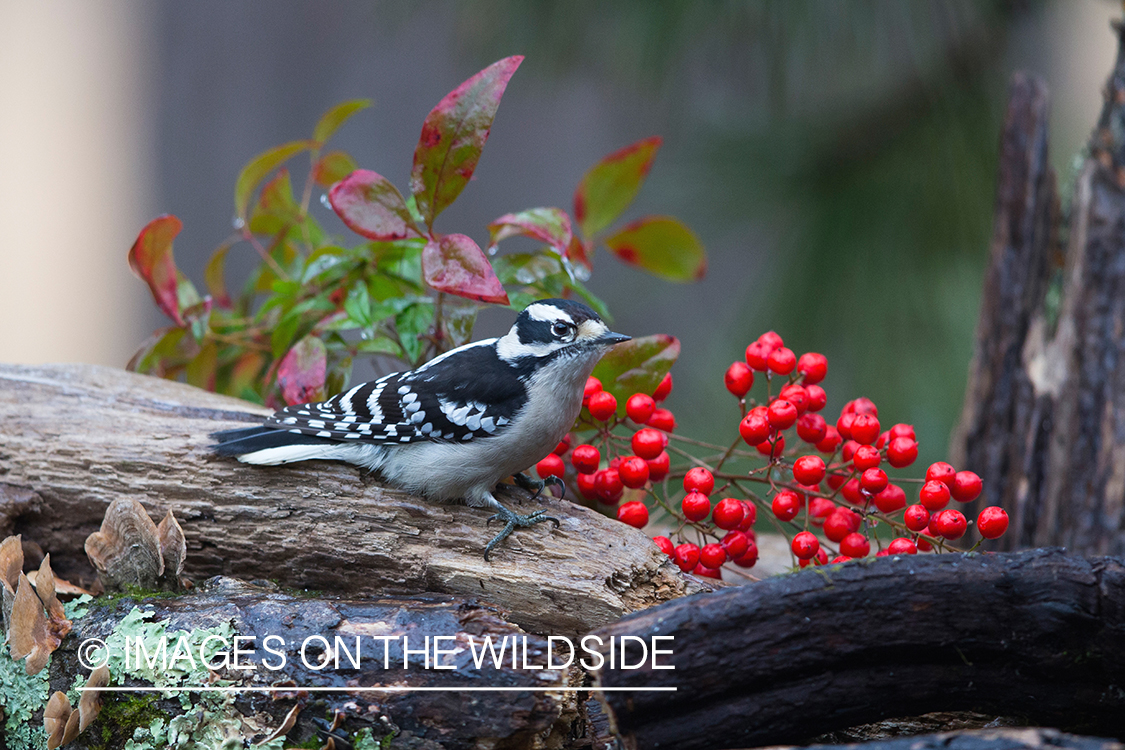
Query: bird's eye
[[560, 329]]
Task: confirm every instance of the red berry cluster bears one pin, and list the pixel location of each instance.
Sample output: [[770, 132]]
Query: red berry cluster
[[824, 485]]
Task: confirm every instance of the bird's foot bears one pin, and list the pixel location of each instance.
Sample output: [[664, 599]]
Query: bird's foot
[[513, 521], [537, 485]]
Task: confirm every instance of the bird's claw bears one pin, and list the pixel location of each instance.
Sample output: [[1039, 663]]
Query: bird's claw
[[513, 521], [537, 485]]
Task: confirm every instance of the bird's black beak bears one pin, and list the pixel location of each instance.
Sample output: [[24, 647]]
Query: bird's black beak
[[611, 338]]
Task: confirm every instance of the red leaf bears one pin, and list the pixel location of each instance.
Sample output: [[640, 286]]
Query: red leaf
[[215, 277], [333, 167], [550, 225], [611, 184], [455, 264], [579, 252], [661, 245], [256, 170], [151, 259], [453, 135], [371, 206], [302, 372]]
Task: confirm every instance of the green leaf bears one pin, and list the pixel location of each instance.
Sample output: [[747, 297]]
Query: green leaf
[[453, 135], [150, 258], [662, 246], [338, 375], [550, 225], [358, 305], [611, 184], [333, 167], [412, 325], [372, 207], [402, 260], [459, 319], [283, 334], [637, 366], [245, 376], [325, 259], [256, 170], [276, 208], [526, 268], [331, 120], [302, 373], [455, 265], [161, 351], [215, 277], [200, 371], [380, 345]]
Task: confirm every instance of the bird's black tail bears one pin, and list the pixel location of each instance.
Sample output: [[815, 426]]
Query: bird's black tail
[[252, 439]]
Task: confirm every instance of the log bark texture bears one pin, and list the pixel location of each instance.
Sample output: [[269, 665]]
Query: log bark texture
[[1037, 635], [74, 437], [1044, 416], [435, 718], [1032, 738]]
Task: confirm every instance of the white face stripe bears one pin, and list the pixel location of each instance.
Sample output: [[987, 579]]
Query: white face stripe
[[591, 329], [547, 313], [510, 347]]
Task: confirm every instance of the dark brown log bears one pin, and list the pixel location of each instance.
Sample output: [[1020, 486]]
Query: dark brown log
[[75, 437], [985, 739], [1044, 417], [432, 719], [1038, 635]]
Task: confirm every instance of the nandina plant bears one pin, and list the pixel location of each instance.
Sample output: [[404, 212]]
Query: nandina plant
[[405, 290], [824, 486]]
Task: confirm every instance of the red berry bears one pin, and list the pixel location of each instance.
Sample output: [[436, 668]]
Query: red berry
[[811, 428], [992, 522], [640, 407], [851, 492], [840, 559], [832, 440], [865, 429], [771, 339], [855, 545], [820, 558], [866, 457], [665, 545], [756, 355], [634, 472], [796, 395], [648, 443], [781, 414], [934, 495], [551, 466], [754, 427], [861, 405], [805, 545], [713, 555], [608, 486], [873, 481], [924, 544], [686, 556], [704, 572], [585, 459], [836, 480], [813, 366], [902, 452], [563, 446], [749, 515], [699, 479], [817, 397], [739, 379], [662, 419], [902, 431], [728, 513], [840, 523], [635, 514], [902, 546], [820, 508], [695, 506], [966, 486], [586, 486], [809, 470], [735, 543], [848, 450], [663, 389], [593, 385], [942, 472], [658, 467], [782, 360], [891, 499], [603, 405], [772, 447], [786, 505], [881, 443], [950, 524], [844, 425], [749, 557], [916, 517]]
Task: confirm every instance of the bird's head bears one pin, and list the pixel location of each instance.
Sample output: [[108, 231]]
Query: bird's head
[[557, 328]]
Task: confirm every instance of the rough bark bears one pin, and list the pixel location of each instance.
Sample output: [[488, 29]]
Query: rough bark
[[1044, 417], [431, 719], [74, 437], [985, 739], [1036, 635]]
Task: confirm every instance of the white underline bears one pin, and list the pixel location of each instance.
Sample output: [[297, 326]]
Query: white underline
[[386, 689]]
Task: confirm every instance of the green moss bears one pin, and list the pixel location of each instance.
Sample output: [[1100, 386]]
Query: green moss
[[20, 697], [121, 716]]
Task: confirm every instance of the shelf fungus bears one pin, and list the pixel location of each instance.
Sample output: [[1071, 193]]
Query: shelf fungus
[[62, 723], [131, 551], [36, 623]]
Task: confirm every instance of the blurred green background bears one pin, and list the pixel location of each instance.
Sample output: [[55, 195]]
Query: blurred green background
[[837, 159]]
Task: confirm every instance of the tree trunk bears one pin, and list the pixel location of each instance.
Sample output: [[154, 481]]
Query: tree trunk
[[1044, 416], [75, 437], [1037, 635]]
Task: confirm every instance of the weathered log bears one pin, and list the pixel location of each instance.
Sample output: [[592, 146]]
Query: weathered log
[[1044, 417], [1037, 634], [371, 632], [75, 437], [1032, 738]]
